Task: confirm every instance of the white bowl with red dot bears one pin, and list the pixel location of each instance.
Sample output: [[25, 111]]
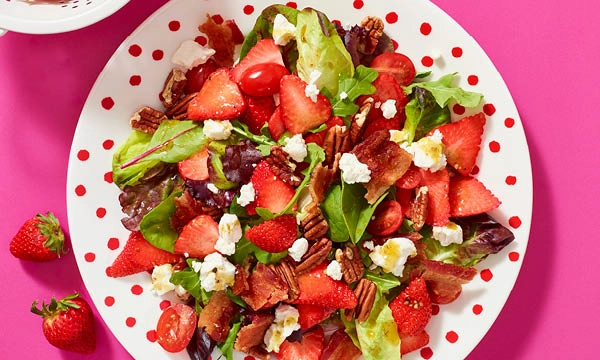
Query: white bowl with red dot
[[133, 78]]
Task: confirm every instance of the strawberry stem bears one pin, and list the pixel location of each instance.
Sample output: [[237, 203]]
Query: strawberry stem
[[136, 159]]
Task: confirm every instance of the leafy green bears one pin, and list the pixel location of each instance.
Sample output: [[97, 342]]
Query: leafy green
[[156, 225], [177, 140], [352, 87], [338, 231], [321, 48], [356, 209], [315, 155], [136, 143], [384, 281], [235, 298], [245, 247], [188, 279], [227, 346], [378, 335], [264, 213], [443, 91], [264, 141]]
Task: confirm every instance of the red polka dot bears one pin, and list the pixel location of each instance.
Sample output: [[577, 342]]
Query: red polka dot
[[135, 50], [358, 4], [80, 190], [292, 4], [107, 103], [89, 257], [108, 144], [391, 17], [514, 222], [511, 180], [458, 109], [489, 109], [395, 44], [101, 212], [151, 335], [158, 55], [113, 243], [130, 321], [83, 155], [494, 146], [217, 18], [427, 61], [513, 256], [472, 80], [201, 40], [426, 353], [425, 28], [248, 9], [174, 25], [109, 301], [108, 177], [164, 304], [486, 275], [475, 170], [509, 122], [457, 52], [137, 290], [451, 336], [135, 80], [477, 309], [435, 309]]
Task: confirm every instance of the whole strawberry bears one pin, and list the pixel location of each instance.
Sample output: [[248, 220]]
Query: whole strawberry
[[68, 324], [39, 239]]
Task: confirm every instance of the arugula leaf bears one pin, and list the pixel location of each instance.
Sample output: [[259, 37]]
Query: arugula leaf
[[265, 213], [315, 155], [338, 231], [188, 279], [384, 281], [264, 141], [443, 91], [156, 225], [356, 210], [235, 298], [245, 247], [423, 114], [378, 335], [227, 346], [422, 74], [353, 87]]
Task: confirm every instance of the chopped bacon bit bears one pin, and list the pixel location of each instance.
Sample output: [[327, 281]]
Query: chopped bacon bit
[[266, 288], [252, 334], [186, 209], [221, 39], [216, 316]]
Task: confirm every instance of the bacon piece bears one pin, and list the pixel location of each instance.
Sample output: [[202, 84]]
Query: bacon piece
[[220, 38], [252, 334], [444, 281], [386, 160], [240, 283], [266, 288], [186, 209], [216, 316]]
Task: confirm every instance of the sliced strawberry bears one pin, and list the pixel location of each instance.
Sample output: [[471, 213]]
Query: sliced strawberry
[[198, 237], [340, 347], [409, 343], [275, 235], [397, 65], [462, 140], [382, 124], [309, 347], [236, 33], [219, 99], [317, 288], [438, 205], [299, 112], [468, 196], [411, 309], [258, 112], [410, 179], [195, 167], [196, 76], [311, 315], [270, 191], [265, 51], [387, 88], [276, 125], [319, 138], [139, 255]]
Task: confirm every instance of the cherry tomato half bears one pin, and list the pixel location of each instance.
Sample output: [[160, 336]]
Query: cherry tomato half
[[387, 218], [397, 65], [262, 79], [196, 76], [175, 327]]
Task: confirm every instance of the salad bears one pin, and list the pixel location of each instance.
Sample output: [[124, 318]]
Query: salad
[[311, 200]]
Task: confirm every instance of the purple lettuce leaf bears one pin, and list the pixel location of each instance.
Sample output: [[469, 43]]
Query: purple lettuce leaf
[[240, 160]]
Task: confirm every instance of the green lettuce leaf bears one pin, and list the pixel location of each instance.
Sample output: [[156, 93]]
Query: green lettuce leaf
[[156, 225], [227, 346], [352, 87], [378, 335], [188, 279], [443, 91], [136, 143], [338, 231], [321, 48], [245, 247]]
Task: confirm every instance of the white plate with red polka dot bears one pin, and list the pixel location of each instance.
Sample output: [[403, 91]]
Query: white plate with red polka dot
[[134, 76]]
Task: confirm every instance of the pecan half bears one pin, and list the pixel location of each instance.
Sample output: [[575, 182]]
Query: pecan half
[[314, 225], [418, 208], [374, 28], [179, 110], [173, 88], [351, 263], [336, 141], [320, 179], [286, 271], [365, 292], [358, 120], [314, 256], [147, 120], [281, 167]]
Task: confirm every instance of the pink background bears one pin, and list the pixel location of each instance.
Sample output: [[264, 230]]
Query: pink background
[[548, 57]]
